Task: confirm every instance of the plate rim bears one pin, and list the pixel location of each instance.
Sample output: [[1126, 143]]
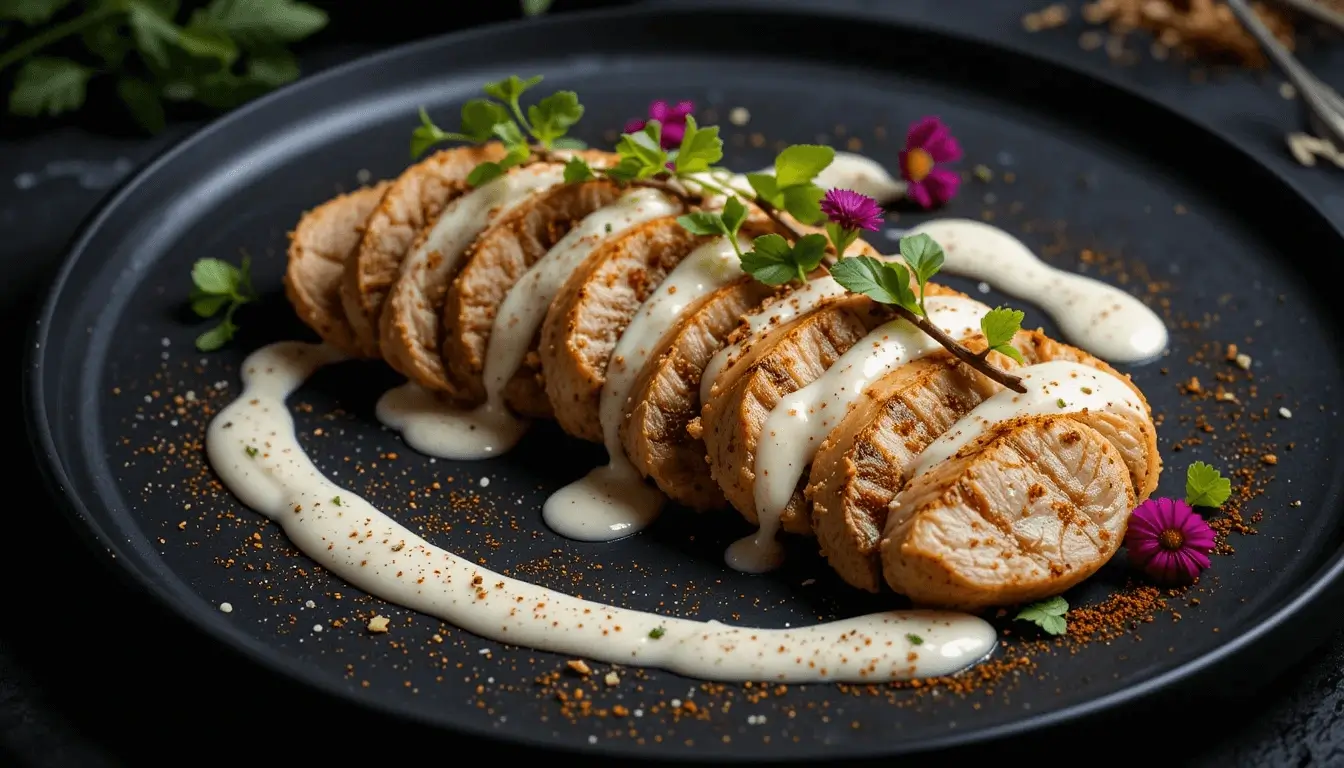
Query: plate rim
[[1311, 597]]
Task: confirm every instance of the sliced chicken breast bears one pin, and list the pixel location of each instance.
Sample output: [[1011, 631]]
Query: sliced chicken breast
[[410, 328], [1029, 509], [867, 457], [324, 241], [492, 266], [665, 398], [412, 201]]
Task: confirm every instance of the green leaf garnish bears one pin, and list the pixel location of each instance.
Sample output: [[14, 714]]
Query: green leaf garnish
[[915, 639], [218, 285], [700, 148], [487, 171], [925, 257], [197, 61], [535, 7], [31, 12], [774, 261], [568, 142], [553, 116], [1205, 486], [49, 86], [799, 164], [250, 450], [577, 170], [640, 154], [882, 281], [791, 188], [479, 118], [657, 632], [999, 326], [734, 215], [511, 89], [1047, 614]]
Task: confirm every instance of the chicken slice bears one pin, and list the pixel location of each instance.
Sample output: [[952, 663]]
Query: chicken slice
[[665, 398], [493, 265], [325, 239], [1030, 508], [867, 457], [412, 201]]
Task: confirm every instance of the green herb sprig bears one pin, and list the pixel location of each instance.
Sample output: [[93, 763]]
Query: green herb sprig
[[220, 286], [546, 123], [1205, 486], [221, 55], [1049, 615], [888, 282]]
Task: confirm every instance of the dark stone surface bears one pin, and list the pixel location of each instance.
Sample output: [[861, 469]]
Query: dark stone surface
[[92, 675]]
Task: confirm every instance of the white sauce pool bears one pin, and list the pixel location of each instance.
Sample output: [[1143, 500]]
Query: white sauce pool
[[796, 427], [1098, 317], [613, 500], [253, 446]]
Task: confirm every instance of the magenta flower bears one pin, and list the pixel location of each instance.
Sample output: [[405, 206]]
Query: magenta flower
[[672, 118], [926, 144], [1169, 541], [850, 210]]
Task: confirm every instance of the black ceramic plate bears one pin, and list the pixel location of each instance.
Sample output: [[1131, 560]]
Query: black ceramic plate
[[118, 397]]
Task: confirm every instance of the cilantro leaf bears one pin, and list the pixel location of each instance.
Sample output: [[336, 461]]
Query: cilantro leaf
[[804, 202], [207, 43], [767, 188], [799, 164], [479, 118], [700, 148], [142, 99], [640, 154], [1047, 614], [1205, 486], [511, 89], [215, 276], [216, 337], [486, 171], [881, 281], [31, 12], [999, 326], [48, 86], [153, 29], [925, 258], [426, 135], [705, 223], [568, 142], [272, 69], [208, 305], [774, 262], [576, 170], [734, 214], [554, 115], [260, 24]]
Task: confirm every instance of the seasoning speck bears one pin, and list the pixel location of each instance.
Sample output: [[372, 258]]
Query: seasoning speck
[[485, 481], [226, 607], [378, 624], [1285, 413]]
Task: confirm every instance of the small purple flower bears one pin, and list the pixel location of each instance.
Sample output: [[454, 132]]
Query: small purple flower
[[852, 211], [673, 119], [928, 143], [1169, 541]]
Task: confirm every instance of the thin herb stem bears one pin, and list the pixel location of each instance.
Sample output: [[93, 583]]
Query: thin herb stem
[[55, 34], [979, 362]]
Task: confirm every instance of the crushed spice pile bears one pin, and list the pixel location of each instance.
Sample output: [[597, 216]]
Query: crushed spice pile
[[1201, 29]]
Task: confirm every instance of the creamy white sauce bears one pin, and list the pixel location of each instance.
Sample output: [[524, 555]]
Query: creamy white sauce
[[796, 426], [1059, 386], [762, 321], [1098, 317], [253, 446], [613, 500]]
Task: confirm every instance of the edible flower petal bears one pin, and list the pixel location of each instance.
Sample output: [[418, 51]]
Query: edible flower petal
[[928, 143], [852, 211], [1169, 541], [672, 118]]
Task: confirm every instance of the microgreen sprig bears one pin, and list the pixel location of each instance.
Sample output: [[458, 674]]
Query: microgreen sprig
[[219, 285], [546, 123], [999, 326]]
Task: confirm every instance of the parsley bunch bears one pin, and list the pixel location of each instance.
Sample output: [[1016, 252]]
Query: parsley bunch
[[218, 285], [225, 52], [547, 122]]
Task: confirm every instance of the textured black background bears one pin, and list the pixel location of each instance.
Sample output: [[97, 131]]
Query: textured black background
[[92, 675]]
